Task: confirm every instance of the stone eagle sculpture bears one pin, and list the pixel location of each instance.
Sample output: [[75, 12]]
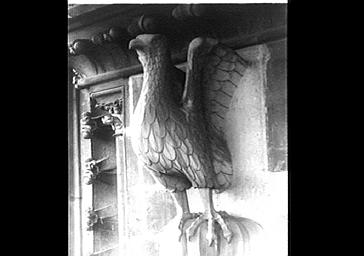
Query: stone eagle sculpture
[[178, 123]]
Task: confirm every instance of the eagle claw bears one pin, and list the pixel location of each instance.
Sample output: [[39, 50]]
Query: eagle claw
[[185, 217], [212, 219]]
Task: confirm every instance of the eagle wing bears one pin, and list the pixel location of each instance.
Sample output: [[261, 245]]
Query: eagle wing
[[186, 146], [222, 71], [175, 149], [172, 146]]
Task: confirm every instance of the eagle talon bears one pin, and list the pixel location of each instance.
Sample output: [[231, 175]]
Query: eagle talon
[[185, 217], [212, 219]]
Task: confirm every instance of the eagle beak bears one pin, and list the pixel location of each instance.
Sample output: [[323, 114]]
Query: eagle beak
[[136, 44]]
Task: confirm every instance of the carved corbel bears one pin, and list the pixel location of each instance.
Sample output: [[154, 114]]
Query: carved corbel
[[97, 219], [93, 171]]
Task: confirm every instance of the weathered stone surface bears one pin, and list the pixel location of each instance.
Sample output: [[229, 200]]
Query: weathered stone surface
[[277, 107]]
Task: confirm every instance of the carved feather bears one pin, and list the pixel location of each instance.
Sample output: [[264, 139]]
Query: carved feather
[[182, 124], [222, 70]]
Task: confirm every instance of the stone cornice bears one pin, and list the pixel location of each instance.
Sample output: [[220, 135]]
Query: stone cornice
[[105, 55]]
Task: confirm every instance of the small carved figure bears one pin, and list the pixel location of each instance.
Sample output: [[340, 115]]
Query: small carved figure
[[92, 170], [77, 76], [94, 217], [80, 46], [113, 107], [114, 118], [88, 125], [179, 123]]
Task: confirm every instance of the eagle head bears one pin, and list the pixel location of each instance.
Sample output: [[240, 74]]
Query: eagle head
[[149, 44], [201, 46]]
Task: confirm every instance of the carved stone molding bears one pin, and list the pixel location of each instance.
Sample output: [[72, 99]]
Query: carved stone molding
[[107, 50], [80, 46], [185, 11], [101, 53], [111, 35], [201, 19], [148, 24], [90, 59]]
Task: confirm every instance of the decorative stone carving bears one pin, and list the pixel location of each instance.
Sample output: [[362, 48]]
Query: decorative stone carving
[[96, 219], [113, 107], [178, 128], [148, 24], [113, 34], [92, 170], [84, 46], [93, 218], [88, 125], [103, 52], [114, 118], [110, 114], [76, 77], [185, 11], [80, 46]]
